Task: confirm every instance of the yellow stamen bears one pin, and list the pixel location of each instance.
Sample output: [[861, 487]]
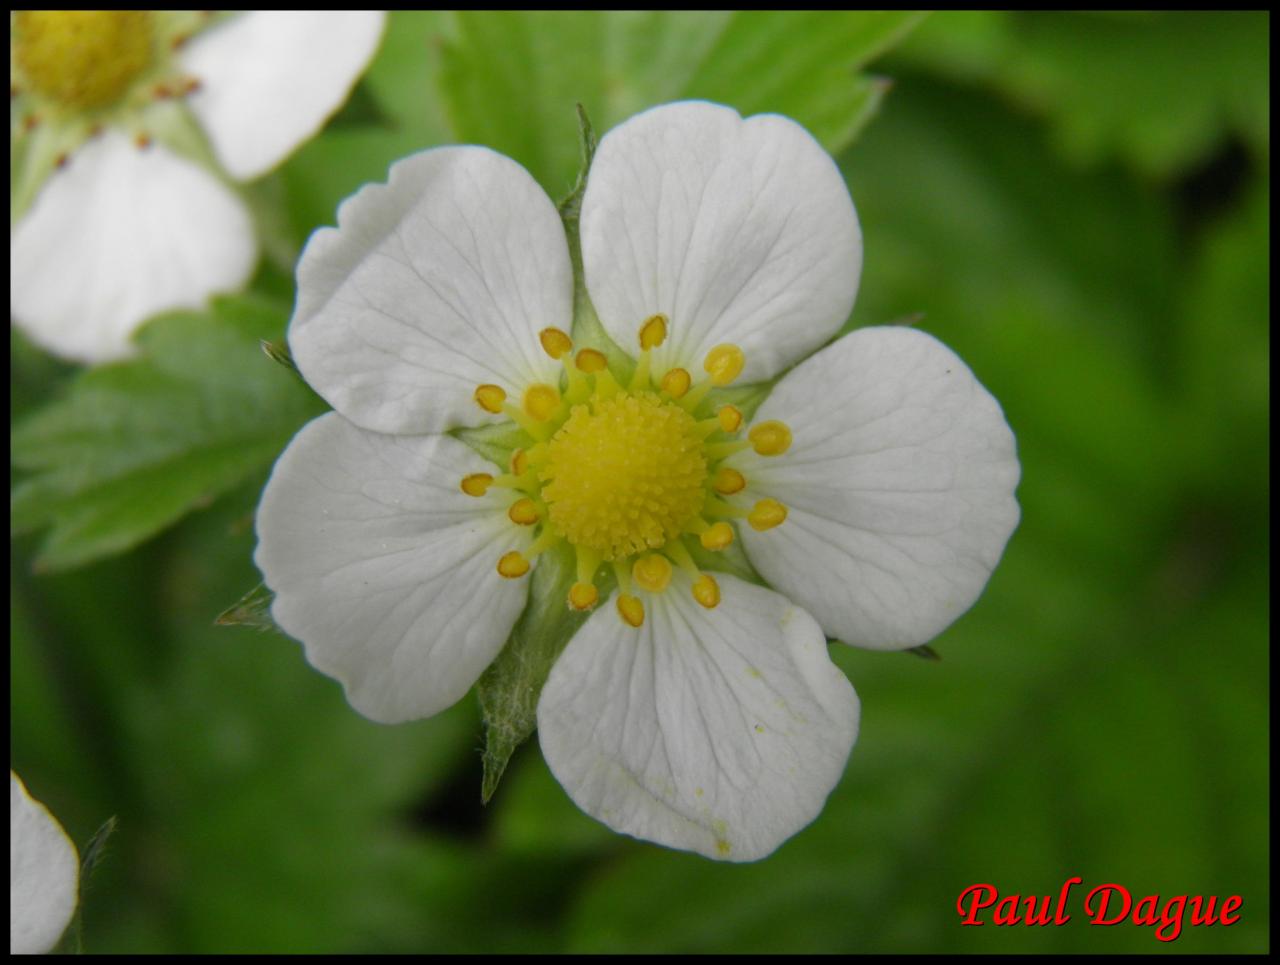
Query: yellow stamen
[[707, 591], [707, 427], [477, 484], [523, 511], [730, 417], [722, 450], [693, 398], [724, 364], [583, 596], [716, 537], [653, 332], [718, 507], [590, 360], [630, 609], [546, 539], [519, 462], [770, 438], [728, 481], [513, 565], [680, 555], [606, 385], [528, 482], [676, 383], [555, 342], [766, 514], [622, 573], [490, 397], [541, 401], [652, 572]]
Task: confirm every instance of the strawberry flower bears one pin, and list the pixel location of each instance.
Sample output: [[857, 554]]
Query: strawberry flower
[[872, 493], [128, 128]]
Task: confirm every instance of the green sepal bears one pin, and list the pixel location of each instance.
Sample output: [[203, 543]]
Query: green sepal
[[494, 442], [251, 610], [510, 688]]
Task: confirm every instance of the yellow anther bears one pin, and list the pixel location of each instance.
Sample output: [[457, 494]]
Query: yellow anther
[[583, 596], [541, 401], [519, 462], [716, 537], [523, 511], [490, 397], [555, 342], [653, 332], [730, 417], [652, 572], [676, 383], [477, 484], [707, 591], [770, 438], [728, 481], [724, 364], [513, 565], [630, 609], [766, 514], [589, 360]]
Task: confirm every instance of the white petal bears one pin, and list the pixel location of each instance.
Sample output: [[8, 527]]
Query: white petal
[[270, 79], [119, 235], [44, 872], [718, 731], [739, 231], [899, 485], [384, 568], [432, 284]]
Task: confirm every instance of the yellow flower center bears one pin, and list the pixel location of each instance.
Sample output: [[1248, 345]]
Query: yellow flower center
[[84, 59], [625, 474], [629, 476]]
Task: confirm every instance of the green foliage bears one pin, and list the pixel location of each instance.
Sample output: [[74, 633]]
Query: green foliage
[[132, 447], [1160, 90], [506, 77]]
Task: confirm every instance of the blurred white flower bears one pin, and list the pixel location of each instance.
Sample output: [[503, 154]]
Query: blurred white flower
[[699, 710], [44, 873], [125, 210]]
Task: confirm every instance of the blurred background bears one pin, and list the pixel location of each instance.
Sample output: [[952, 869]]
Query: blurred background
[[1079, 206]]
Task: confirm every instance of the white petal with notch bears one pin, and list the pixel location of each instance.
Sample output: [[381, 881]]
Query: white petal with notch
[[738, 230], [718, 731], [433, 283], [899, 486], [384, 569]]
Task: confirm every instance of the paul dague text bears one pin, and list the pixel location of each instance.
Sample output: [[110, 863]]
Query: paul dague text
[[1108, 904]]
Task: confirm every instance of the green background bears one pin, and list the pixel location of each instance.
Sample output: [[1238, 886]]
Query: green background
[[1079, 206]]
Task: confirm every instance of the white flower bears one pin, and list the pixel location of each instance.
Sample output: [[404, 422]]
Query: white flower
[[698, 710], [44, 871], [126, 226]]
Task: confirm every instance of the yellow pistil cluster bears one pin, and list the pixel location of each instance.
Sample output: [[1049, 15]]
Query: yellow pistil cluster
[[84, 59], [626, 475]]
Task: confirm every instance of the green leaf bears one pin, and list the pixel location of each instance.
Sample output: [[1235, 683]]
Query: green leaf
[[1160, 90], [134, 446], [509, 79]]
